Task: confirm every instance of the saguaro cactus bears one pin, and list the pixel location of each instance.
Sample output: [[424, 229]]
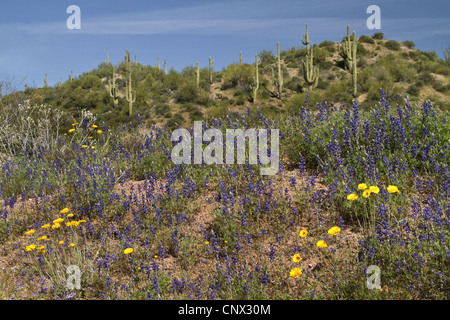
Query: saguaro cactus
[[157, 63], [280, 73], [71, 76], [46, 81], [107, 57], [310, 72], [113, 89], [348, 52], [165, 67], [255, 85], [240, 58], [127, 58], [129, 93], [210, 69], [198, 75], [305, 40]]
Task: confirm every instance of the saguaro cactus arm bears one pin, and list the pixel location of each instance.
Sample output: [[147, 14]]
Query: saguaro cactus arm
[[305, 40]]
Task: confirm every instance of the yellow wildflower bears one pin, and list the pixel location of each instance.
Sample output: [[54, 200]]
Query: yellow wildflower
[[362, 186], [374, 189], [31, 247], [392, 189], [295, 273], [41, 247], [94, 126], [366, 193], [30, 232], [352, 197], [56, 226], [321, 244], [75, 124], [296, 258], [70, 215], [128, 250], [334, 231], [43, 238], [46, 226], [61, 242], [65, 210], [71, 245], [99, 131], [59, 220], [303, 233], [71, 130]]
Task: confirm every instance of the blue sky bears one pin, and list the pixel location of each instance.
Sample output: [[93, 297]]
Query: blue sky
[[35, 40]]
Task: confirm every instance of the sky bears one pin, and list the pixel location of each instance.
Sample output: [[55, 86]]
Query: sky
[[35, 39]]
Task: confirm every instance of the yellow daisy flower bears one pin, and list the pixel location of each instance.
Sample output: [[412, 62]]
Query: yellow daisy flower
[[321, 244], [30, 232], [31, 247], [366, 193], [362, 186], [374, 189], [334, 231], [352, 197], [295, 273], [296, 258]]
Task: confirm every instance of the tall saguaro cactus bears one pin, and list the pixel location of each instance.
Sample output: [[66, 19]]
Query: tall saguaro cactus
[[348, 52], [165, 67], [71, 76], [107, 57], [305, 40], [210, 70], [127, 58], [113, 89], [198, 75], [129, 93], [240, 58], [255, 85], [279, 81], [310, 72], [46, 81]]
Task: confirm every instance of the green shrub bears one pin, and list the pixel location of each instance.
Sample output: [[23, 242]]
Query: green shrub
[[366, 39], [378, 36], [413, 90], [409, 44], [392, 45]]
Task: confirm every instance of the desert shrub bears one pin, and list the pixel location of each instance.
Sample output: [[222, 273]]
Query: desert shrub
[[176, 121], [413, 90], [187, 92], [409, 44], [378, 36], [366, 39], [392, 45], [238, 76]]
